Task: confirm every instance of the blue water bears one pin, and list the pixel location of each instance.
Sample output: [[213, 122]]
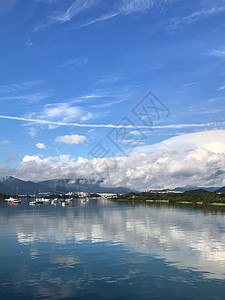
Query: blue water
[[107, 250]]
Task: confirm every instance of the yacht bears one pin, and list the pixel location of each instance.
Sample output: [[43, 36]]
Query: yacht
[[54, 201], [32, 202], [10, 199], [15, 201]]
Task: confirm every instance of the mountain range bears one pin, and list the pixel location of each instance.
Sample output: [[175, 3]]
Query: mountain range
[[12, 185]]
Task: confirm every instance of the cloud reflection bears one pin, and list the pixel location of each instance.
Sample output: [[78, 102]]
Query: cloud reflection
[[186, 239]]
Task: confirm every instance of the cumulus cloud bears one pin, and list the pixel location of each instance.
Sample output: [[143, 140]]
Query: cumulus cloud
[[57, 114], [61, 111], [71, 139], [212, 140], [198, 159], [40, 146]]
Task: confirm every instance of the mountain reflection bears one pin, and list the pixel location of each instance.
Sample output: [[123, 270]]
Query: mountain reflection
[[186, 239]]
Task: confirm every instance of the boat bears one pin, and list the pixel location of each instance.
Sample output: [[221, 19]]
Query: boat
[[45, 199], [39, 201], [15, 201], [54, 201], [68, 200], [65, 203], [32, 202], [84, 200], [10, 199]]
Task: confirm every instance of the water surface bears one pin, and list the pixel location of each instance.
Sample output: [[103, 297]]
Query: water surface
[[108, 250]]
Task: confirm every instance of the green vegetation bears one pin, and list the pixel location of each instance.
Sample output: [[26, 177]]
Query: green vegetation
[[4, 196], [198, 197]]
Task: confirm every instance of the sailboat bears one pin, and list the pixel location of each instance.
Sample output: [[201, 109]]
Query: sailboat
[[14, 200], [10, 199]]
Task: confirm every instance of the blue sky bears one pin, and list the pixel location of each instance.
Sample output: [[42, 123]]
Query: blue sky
[[90, 63]]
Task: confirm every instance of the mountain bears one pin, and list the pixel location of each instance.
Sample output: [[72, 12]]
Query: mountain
[[82, 185], [191, 188], [221, 190], [13, 185]]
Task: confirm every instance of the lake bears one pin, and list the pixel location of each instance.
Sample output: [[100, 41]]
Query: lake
[[109, 250]]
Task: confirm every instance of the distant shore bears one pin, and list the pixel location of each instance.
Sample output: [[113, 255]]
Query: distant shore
[[195, 197]]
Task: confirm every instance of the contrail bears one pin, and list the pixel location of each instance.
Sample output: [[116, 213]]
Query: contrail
[[172, 126]]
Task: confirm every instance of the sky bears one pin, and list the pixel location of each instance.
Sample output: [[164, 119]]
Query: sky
[[129, 92]]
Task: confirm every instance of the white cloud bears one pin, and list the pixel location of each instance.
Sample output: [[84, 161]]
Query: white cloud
[[131, 142], [124, 7], [78, 62], [32, 131], [5, 142], [222, 88], [29, 43], [99, 19], [77, 7], [40, 146], [28, 158], [71, 139], [86, 117], [91, 96], [61, 113], [131, 227], [46, 1], [14, 87], [29, 98], [74, 112], [197, 15], [128, 7], [220, 53], [204, 12], [212, 140], [191, 159]]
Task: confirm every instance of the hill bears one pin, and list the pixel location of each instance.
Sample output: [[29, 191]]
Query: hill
[[12, 185], [221, 190]]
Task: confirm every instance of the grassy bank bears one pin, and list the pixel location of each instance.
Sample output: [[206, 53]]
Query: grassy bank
[[196, 197]]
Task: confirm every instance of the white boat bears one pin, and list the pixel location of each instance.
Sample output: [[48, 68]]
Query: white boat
[[10, 199], [84, 200], [32, 203], [45, 199], [39, 201], [68, 200], [15, 201], [54, 201], [65, 203]]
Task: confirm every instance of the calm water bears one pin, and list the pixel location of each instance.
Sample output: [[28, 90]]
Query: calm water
[[107, 250]]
